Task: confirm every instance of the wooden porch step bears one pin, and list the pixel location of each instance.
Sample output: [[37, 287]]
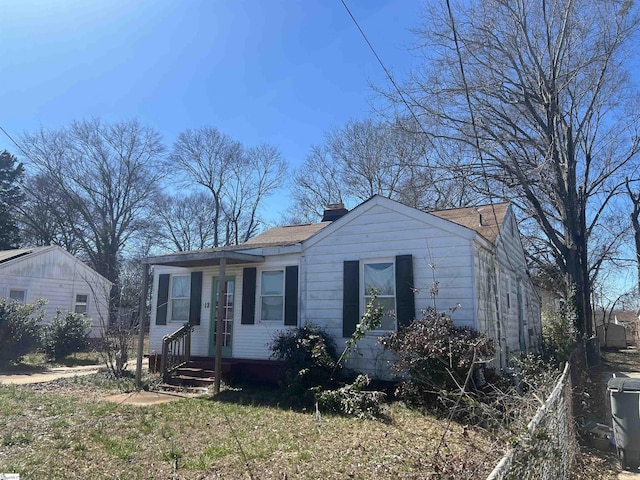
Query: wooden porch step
[[190, 381], [192, 371], [179, 388]]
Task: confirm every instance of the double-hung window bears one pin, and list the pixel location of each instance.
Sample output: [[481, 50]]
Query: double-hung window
[[379, 278], [19, 296], [80, 306], [179, 301], [272, 296]]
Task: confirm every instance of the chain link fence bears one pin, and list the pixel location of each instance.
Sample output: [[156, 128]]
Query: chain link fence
[[548, 448]]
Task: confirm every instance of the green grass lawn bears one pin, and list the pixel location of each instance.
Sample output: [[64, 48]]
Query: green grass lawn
[[64, 430]]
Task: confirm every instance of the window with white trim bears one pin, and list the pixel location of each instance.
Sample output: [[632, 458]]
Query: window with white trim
[[179, 298], [19, 296], [81, 303], [272, 295], [380, 277]]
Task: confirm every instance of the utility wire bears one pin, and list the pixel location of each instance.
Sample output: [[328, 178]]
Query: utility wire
[[386, 71], [15, 143]]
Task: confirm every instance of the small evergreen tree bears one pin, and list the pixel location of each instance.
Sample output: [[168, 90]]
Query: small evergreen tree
[[11, 196]]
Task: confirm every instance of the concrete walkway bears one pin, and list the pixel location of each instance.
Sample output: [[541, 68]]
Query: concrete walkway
[[134, 398], [48, 375]]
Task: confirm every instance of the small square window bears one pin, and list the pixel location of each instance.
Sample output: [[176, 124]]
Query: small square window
[[19, 296], [80, 306]]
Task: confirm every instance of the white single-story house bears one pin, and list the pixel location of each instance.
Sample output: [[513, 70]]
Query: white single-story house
[[53, 274], [468, 261]]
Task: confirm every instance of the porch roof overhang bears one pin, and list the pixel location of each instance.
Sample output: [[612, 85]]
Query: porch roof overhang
[[203, 258]]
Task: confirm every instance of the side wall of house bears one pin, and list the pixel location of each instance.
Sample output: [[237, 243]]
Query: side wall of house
[[248, 341], [488, 306], [518, 302], [56, 277], [440, 258]]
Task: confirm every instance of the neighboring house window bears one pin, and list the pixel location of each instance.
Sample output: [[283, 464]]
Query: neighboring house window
[[380, 277], [272, 296], [19, 296], [82, 301], [180, 291]]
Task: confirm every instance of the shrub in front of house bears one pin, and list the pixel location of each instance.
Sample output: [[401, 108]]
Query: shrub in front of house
[[309, 355], [18, 329], [66, 334], [435, 359]]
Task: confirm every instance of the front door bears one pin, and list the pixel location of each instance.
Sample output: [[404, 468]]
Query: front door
[[227, 318]]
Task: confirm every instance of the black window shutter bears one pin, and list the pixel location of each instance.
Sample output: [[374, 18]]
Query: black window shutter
[[163, 298], [248, 296], [195, 306], [350, 297], [291, 296], [405, 301]]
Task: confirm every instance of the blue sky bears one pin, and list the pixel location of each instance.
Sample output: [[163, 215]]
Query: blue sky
[[263, 71]]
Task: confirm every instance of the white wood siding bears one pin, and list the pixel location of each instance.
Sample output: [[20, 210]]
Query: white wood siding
[[383, 233], [472, 275], [513, 281], [248, 341], [57, 277]]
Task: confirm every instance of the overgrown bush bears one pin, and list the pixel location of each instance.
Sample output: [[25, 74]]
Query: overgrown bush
[[435, 357], [18, 329], [309, 356], [353, 400], [559, 333], [66, 334]]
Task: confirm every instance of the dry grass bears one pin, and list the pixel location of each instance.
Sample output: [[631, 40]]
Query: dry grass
[[63, 430]]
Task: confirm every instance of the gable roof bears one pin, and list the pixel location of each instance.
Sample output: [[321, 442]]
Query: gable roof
[[11, 257], [7, 255], [489, 227]]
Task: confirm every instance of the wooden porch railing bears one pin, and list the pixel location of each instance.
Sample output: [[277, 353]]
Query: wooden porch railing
[[176, 351]]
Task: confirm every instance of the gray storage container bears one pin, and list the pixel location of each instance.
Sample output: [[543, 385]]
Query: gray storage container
[[625, 417]]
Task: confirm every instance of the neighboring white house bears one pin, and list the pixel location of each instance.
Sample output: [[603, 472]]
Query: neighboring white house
[[320, 273], [53, 274]]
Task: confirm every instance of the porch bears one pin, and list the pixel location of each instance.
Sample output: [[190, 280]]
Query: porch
[[175, 363]]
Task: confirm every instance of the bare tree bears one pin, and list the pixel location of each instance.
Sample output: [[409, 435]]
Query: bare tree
[[260, 171], [182, 225], [204, 156], [535, 92], [238, 179], [368, 157], [47, 217], [106, 175], [635, 225], [316, 184]]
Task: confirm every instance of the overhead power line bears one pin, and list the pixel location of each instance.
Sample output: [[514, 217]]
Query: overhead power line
[[386, 70], [15, 143]]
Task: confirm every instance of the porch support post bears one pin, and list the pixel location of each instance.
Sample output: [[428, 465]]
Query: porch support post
[[219, 324], [141, 324]]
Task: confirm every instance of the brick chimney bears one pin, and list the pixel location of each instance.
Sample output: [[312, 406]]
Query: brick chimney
[[334, 211]]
